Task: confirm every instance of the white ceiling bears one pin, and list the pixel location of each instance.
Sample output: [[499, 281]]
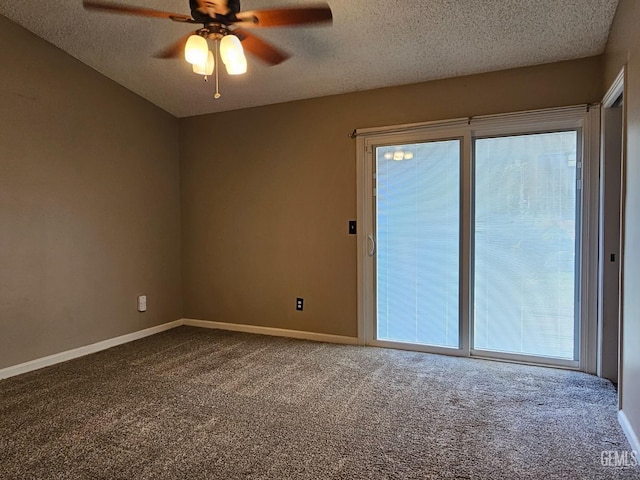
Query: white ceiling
[[370, 44]]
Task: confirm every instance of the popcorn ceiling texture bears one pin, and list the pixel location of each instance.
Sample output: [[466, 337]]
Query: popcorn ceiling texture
[[371, 44]]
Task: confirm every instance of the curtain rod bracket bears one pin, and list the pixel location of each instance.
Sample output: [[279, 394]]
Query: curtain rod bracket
[[353, 134]]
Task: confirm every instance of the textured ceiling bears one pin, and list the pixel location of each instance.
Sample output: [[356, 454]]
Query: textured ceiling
[[370, 44]]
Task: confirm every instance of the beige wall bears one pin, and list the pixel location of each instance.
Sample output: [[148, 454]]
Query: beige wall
[[624, 48], [267, 192], [89, 204]]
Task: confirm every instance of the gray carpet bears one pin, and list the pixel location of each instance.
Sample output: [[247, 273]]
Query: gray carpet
[[205, 404]]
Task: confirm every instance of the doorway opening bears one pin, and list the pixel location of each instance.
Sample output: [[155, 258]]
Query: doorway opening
[[610, 231]]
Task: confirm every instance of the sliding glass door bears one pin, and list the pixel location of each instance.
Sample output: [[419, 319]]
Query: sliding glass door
[[525, 249], [418, 236], [473, 238]]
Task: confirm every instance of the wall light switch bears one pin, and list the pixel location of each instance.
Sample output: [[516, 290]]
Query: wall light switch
[[142, 303]]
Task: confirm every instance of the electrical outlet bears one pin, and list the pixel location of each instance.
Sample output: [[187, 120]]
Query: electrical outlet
[[300, 304], [142, 303]]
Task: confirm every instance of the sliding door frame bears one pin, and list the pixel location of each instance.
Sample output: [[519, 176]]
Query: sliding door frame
[[583, 118], [434, 134]]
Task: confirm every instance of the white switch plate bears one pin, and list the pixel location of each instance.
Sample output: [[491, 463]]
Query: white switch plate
[[142, 303]]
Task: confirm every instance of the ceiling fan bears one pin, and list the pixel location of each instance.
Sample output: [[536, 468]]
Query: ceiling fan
[[227, 26]]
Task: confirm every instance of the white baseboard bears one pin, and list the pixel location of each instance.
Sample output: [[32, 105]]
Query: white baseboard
[[275, 332], [629, 431], [86, 350], [113, 342]]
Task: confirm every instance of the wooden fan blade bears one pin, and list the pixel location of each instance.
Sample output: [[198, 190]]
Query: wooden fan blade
[[285, 16], [176, 50], [260, 48], [127, 10]]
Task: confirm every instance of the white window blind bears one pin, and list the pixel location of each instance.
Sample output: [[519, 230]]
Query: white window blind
[[525, 244], [418, 223]]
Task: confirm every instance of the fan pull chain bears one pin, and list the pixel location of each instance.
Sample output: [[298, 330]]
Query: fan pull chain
[[217, 68]]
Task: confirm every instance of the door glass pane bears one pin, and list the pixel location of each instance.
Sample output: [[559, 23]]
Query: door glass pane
[[418, 223], [525, 244]]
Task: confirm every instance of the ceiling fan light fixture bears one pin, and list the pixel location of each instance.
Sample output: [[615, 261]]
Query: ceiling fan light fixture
[[207, 68], [222, 21], [232, 55], [238, 67], [196, 50]]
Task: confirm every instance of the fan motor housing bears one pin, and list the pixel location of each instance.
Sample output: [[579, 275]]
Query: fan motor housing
[[198, 16]]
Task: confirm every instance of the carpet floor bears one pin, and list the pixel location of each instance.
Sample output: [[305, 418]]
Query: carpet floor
[[205, 404]]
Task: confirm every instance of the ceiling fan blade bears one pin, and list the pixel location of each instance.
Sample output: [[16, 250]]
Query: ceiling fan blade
[[176, 50], [260, 48], [128, 10], [278, 17]]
